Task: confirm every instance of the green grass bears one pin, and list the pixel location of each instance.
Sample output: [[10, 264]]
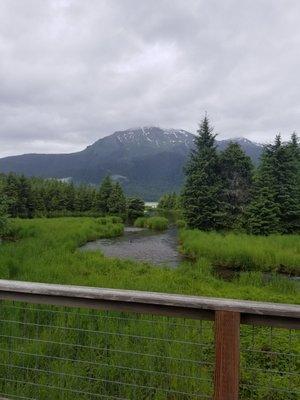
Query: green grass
[[155, 223], [47, 251], [277, 253]]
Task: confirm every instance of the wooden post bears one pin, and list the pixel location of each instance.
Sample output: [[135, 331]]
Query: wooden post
[[227, 356]]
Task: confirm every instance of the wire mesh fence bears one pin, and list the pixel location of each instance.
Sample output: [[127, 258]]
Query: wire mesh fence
[[52, 352], [270, 363]]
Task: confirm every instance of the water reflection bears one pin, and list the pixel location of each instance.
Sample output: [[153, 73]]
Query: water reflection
[[141, 245]]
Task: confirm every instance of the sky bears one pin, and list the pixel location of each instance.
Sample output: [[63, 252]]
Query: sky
[[73, 71]]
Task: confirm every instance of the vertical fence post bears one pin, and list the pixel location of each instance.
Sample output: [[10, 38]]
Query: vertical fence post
[[227, 355]]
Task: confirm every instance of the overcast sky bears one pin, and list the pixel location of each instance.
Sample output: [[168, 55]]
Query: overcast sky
[[72, 71]]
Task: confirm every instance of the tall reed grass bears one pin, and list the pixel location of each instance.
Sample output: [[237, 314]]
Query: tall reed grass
[[277, 253]]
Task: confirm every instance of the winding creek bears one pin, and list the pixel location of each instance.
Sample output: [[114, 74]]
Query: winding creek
[[158, 248]]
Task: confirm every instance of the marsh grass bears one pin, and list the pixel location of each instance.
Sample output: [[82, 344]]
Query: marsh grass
[[275, 253], [155, 223], [47, 251]]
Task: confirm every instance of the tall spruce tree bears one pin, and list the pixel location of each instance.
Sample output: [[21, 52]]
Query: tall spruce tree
[[102, 204], [135, 208], [262, 217], [236, 170], [201, 196], [117, 201], [290, 209]]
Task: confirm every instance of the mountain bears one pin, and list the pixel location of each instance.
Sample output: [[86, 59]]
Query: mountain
[[148, 161]]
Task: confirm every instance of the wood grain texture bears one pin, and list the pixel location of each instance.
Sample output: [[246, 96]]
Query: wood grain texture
[[227, 353], [252, 312]]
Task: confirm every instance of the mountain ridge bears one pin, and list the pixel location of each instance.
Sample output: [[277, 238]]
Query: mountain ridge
[[147, 160]]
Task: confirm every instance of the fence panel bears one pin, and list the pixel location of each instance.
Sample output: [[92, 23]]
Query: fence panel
[[270, 363], [53, 352]]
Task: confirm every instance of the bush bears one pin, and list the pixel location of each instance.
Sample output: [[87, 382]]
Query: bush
[[180, 223], [141, 222], [157, 223], [109, 220]]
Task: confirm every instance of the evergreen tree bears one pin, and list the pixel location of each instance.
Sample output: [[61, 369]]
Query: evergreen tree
[[3, 209], [117, 201], [135, 208], [262, 217], [236, 171], [102, 204], [290, 208], [25, 200], [11, 192], [201, 196], [169, 201], [3, 215]]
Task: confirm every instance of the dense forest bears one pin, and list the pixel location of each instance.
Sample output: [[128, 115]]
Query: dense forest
[[24, 197]]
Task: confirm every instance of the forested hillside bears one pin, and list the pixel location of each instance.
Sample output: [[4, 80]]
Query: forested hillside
[[147, 161]]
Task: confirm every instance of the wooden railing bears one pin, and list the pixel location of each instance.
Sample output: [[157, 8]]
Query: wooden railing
[[227, 315]]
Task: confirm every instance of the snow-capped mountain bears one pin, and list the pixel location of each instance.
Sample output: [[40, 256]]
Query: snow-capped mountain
[[147, 160]]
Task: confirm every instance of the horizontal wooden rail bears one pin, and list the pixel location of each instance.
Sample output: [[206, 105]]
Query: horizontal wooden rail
[[251, 312]]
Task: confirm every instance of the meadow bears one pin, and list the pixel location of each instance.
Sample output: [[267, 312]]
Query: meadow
[[46, 250]]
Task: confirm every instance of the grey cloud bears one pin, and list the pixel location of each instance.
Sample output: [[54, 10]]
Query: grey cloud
[[73, 71]]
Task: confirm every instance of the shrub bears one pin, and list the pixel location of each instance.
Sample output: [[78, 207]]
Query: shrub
[[141, 222], [180, 223], [157, 223]]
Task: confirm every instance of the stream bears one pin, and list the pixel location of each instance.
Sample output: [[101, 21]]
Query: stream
[[158, 248]]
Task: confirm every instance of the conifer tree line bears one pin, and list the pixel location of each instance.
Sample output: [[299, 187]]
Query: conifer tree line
[[34, 197], [224, 191]]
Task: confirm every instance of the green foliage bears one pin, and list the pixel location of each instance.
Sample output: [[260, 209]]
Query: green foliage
[[117, 201], [275, 206], [141, 222], [135, 208], [157, 223], [236, 171], [35, 197], [201, 196], [279, 253], [220, 193], [110, 220], [180, 223], [169, 201], [4, 224], [103, 195]]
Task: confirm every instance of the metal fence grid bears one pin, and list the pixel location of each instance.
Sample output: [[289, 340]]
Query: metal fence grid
[[270, 363], [52, 352]]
